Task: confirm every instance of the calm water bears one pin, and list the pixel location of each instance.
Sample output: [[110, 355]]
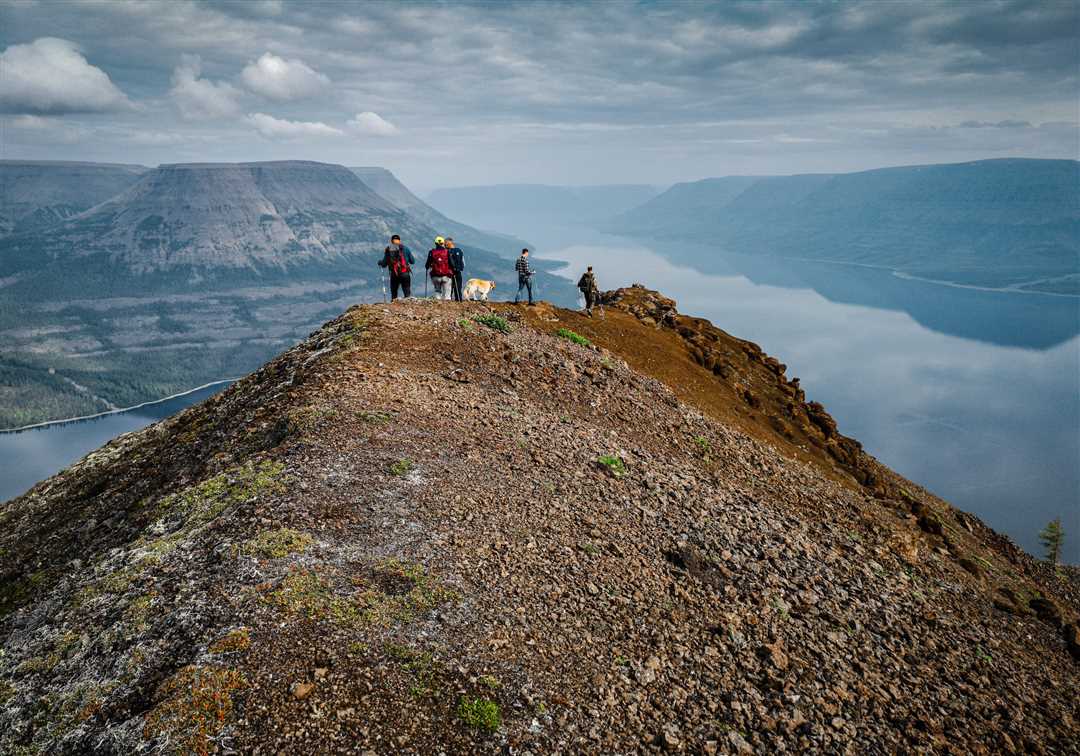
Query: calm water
[[973, 394], [27, 457]]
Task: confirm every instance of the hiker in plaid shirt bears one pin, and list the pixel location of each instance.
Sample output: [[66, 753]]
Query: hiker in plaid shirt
[[525, 274]]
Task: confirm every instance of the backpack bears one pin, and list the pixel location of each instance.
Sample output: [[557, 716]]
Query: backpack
[[440, 262], [400, 266]]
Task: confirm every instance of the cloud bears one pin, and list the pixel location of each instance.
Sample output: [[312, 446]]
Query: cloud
[[201, 99], [51, 76], [281, 79], [1007, 124], [372, 123], [278, 128]]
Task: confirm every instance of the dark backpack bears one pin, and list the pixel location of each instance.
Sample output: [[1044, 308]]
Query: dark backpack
[[440, 262], [400, 265]]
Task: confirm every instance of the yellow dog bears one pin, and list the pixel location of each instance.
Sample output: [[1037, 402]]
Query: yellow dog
[[478, 288]]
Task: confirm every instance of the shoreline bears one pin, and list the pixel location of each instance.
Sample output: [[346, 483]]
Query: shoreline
[[118, 410]]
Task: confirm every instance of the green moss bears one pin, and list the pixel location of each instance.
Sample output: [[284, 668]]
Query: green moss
[[480, 713], [493, 321], [313, 595], [275, 544], [613, 463], [375, 417], [18, 592], [7, 691], [577, 338], [309, 417], [197, 703], [203, 502]]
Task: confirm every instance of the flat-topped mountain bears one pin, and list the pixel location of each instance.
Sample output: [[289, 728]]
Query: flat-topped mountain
[[488, 529], [39, 193], [995, 223], [193, 273]]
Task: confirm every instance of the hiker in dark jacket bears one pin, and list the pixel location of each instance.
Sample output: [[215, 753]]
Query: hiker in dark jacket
[[525, 274], [438, 265], [457, 265], [399, 260], [587, 285]]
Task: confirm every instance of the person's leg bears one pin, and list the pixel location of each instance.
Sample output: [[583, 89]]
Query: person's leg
[[521, 285], [406, 286], [528, 282], [456, 283], [394, 283]]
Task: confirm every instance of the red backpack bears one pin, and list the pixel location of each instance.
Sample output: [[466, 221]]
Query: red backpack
[[400, 266], [440, 262]]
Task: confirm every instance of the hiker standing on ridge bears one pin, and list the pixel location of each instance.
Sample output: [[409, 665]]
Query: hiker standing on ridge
[[399, 260], [438, 265], [587, 285], [457, 265], [525, 274]]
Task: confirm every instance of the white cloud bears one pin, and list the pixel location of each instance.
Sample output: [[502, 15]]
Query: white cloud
[[199, 99], [281, 79], [372, 123], [50, 75], [278, 128]]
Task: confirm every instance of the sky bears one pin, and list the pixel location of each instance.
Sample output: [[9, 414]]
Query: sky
[[451, 94]]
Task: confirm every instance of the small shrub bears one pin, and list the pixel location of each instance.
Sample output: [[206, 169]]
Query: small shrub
[[493, 322], [197, 705], [235, 640], [614, 464], [480, 713], [466, 324], [577, 338], [401, 467], [703, 445]]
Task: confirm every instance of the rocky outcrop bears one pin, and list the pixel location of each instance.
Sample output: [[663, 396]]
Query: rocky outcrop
[[438, 527]]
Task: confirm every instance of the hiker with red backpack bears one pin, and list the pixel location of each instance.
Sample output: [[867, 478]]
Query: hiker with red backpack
[[399, 260], [438, 265]]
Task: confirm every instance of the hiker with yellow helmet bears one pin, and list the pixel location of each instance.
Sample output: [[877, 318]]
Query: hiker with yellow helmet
[[438, 266]]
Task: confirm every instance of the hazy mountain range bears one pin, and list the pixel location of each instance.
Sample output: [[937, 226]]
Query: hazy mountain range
[[995, 223], [191, 272]]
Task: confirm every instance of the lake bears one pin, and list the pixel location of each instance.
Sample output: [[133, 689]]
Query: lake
[[973, 394], [29, 456]]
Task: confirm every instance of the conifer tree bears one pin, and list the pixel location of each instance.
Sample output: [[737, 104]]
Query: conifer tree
[[1052, 536]]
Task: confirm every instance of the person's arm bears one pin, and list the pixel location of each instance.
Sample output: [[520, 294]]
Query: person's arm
[[409, 257], [427, 265], [385, 258]]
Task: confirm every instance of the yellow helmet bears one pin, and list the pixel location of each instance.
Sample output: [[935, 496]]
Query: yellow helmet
[[439, 240]]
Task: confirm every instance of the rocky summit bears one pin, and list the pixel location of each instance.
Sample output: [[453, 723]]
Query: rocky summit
[[479, 528]]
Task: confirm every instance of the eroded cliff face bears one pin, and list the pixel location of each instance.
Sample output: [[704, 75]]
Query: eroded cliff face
[[419, 530]]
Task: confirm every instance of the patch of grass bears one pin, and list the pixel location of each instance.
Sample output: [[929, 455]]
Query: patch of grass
[[703, 445], [613, 463], [401, 467], [307, 418], [489, 681], [466, 325], [577, 338], [590, 548], [421, 663], [275, 544], [480, 713], [231, 642], [493, 321], [197, 704]]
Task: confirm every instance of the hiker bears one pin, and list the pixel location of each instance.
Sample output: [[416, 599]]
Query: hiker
[[438, 265], [457, 265], [525, 274], [587, 285], [399, 260]]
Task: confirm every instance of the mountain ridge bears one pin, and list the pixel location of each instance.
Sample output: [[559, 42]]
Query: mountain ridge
[[413, 530]]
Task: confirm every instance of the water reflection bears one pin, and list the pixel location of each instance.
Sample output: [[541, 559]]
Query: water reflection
[[973, 394]]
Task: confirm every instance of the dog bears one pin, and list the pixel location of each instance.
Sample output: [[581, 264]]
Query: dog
[[478, 288]]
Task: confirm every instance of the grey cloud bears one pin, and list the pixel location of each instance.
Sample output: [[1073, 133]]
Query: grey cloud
[[50, 75], [578, 92]]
